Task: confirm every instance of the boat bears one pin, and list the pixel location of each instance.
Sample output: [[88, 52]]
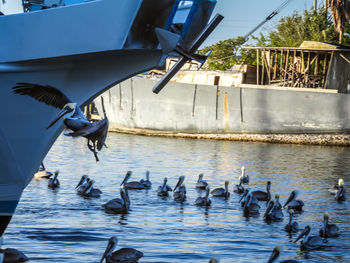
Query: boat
[[294, 95], [81, 48]]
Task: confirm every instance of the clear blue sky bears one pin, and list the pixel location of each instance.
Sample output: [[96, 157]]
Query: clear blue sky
[[243, 16]]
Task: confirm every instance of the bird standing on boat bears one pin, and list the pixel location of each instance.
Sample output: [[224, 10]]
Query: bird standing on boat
[[291, 226], [276, 253], [328, 230], [238, 188], [309, 242], [53, 181], [201, 184], [261, 195], [73, 117], [118, 205], [164, 189], [244, 176], [293, 203], [204, 201], [221, 192], [340, 196], [146, 183], [126, 255], [131, 185], [335, 188], [42, 173]]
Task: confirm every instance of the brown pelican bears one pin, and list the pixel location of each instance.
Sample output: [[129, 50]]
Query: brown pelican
[[244, 176], [164, 189], [335, 187], [251, 206], [276, 253], [221, 192], [90, 191], [180, 194], [238, 188], [293, 203], [309, 242], [340, 196], [146, 183], [201, 184], [53, 181], [127, 255], [204, 201], [83, 184], [131, 185], [291, 226], [118, 205], [261, 195], [42, 173], [213, 260], [179, 182], [73, 117], [11, 255], [273, 211], [328, 230], [243, 198]]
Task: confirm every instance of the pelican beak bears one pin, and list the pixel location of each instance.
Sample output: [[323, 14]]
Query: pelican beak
[[108, 248], [64, 111], [80, 182], [300, 236], [290, 198], [269, 207], [275, 254], [126, 178], [245, 193], [179, 182]]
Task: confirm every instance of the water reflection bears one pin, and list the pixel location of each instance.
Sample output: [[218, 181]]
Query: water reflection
[[60, 226]]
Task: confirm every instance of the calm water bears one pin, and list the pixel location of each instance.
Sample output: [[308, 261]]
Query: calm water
[[60, 226]]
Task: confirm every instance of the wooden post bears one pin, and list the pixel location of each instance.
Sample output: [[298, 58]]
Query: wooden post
[[281, 66], [286, 68], [307, 78], [275, 65], [263, 67], [257, 66], [293, 65]]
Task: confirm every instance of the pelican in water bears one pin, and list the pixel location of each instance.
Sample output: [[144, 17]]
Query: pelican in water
[[180, 181], [221, 192], [293, 203], [213, 260], [204, 201], [73, 117], [335, 187], [238, 188], [328, 230], [118, 205], [243, 198], [261, 195], [201, 184], [131, 185], [42, 173], [276, 253], [12, 255], [83, 184], [53, 181], [146, 183], [90, 191], [273, 211], [340, 196], [244, 176], [180, 194], [251, 206], [309, 242], [127, 255], [291, 226], [164, 189]]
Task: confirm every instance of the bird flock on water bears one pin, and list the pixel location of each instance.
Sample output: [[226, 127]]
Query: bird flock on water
[[250, 202]]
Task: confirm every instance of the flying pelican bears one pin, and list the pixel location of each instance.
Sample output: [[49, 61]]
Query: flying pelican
[[238, 188], [276, 253], [328, 230], [335, 187], [128, 255], [309, 242], [273, 211], [244, 176], [204, 201], [90, 191], [118, 205], [73, 117], [221, 192], [293, 203], [180, 194], [83, 184], [291, 226], [146, 183], [131, 185], [53, 181], [164, 189], [340, 196], [261, 195], [201, 184], [42, 173], [251, 206]]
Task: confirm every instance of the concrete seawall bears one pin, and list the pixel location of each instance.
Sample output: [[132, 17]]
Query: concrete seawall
[[246, 113]]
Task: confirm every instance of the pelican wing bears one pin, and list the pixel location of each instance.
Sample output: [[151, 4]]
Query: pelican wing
[[47, 94]]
